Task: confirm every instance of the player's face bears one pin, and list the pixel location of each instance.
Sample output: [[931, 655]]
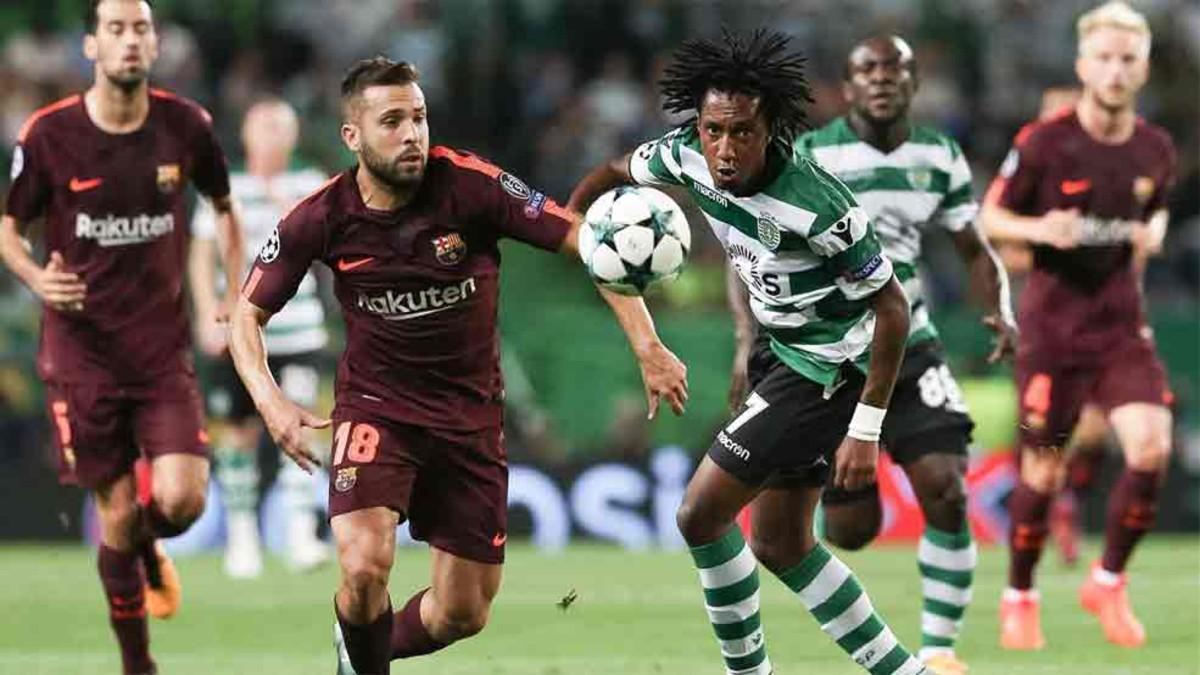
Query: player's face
[[389, 132], [270, 132], [125, 44], [880, 80], [734, 136], [1113, 64]]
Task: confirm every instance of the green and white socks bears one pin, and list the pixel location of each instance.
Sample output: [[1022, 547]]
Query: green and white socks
[[947, 563], [729, 575], [237, 474], [836, 600]]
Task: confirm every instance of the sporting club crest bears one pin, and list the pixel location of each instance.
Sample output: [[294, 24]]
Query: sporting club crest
[[768, 231], [347, 476], [450, 249], [920, 179], [169, 178], [1143, 189]]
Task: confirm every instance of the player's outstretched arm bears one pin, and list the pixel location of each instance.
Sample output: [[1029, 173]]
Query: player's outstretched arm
[[663, 374], [58, 288], [859, 453], [285, 420], [744, 330], [611, 174], [1060, 228], [989, 281]]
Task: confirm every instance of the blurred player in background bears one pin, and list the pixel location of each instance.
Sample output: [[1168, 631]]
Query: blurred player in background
[[826, 296], [107, 170], [1086, 189], [265, 192], [913, 180], [412, 234]]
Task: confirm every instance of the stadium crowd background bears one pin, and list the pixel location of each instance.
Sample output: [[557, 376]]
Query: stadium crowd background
[[549, 88]]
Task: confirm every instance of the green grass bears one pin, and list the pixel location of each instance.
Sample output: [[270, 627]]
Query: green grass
[[637, 613]]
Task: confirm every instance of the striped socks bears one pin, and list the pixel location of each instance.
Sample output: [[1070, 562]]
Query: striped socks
[[836, 600], [729, 575], [947, 563]]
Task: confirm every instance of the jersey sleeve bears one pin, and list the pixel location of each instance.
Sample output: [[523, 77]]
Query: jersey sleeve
[[29, 194], [210, 171], [657, 162], [527, 215], [1021, 172], [958, 207], [285, 258], [850, 248]]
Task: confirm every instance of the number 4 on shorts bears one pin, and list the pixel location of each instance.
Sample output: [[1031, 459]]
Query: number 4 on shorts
[[359, 443]]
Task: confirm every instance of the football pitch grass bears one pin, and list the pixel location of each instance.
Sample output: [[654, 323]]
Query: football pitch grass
[[636, 614]]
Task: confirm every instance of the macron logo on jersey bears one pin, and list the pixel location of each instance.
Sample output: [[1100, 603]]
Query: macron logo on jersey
[[113, 230], [394, 306]]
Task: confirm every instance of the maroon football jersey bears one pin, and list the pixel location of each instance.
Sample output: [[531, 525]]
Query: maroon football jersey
[[1080, 303], [418, 286], [114, 207]]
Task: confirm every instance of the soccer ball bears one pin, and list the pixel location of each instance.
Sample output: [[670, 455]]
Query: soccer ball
[[633, 238]]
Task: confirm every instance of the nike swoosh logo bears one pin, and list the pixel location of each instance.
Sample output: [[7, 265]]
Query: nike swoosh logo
[[499, 540], [1074, 187], [344, 265], [77, 185]]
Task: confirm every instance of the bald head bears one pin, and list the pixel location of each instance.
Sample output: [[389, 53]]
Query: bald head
[[880, 79], [270, 131]]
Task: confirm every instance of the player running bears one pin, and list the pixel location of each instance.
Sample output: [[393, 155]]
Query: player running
[[912, 179], [107, 170], [826, 295], [1085, 189], [264, 192], [411, 234]]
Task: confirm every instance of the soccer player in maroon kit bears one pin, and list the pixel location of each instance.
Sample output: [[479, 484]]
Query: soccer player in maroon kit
[[1085, 188], [106, 170], [411, 235]]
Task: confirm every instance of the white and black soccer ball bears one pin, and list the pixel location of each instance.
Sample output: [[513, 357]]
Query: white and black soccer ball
[[633, 238]]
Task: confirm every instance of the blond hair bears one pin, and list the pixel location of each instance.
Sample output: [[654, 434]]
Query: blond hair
[[1113, 14]]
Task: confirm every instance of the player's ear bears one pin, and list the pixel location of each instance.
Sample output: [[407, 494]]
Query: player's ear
[[91, 49], [350, 136], [847, 92]]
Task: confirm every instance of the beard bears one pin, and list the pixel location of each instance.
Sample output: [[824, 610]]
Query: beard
[[127, 80], [389, 172]]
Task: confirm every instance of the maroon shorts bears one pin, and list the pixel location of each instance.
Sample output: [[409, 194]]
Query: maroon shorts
[[1051, 396], [452, 486], [100, 429]]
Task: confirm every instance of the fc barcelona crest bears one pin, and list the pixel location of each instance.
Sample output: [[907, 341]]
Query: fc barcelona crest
[[768, 231], [347, 476], [169, 178], [450, 249], [1143, 189]]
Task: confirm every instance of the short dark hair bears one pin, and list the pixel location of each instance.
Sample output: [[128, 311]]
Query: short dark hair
[[92, 17], [375, 72], [759, 65]]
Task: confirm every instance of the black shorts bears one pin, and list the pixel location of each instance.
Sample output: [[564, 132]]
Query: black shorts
[[297, 375], [789, 428], [927, 415]]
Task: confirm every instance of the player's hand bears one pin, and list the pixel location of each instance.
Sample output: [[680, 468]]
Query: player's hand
[[1061, 228], [1146, 240], [286, 422], [1005, 340], [854, 467], [664, 376], [739, 376], [57, 287]]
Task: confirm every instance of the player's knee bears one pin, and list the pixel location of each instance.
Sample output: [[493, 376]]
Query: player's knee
[[694, 527], [461, 622], [945, 500], [182, 508], [1150, 452], [363, 575], [118, 521], [1041, 470]]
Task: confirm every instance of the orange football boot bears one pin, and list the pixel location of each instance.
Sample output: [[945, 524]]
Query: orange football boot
[[165, 594], [1021, 622], [1111, 605], [945, 663]]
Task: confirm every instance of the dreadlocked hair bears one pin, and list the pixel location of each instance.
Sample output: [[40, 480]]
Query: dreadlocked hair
[[760, 66]]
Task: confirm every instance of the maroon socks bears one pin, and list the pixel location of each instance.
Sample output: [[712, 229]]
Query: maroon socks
[[409, 635], [1132, 507], [121, 577], [1028, 510]]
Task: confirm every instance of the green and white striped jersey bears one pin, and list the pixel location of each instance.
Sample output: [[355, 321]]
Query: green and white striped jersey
[[300, 326], [924, 183], [802, 246]]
